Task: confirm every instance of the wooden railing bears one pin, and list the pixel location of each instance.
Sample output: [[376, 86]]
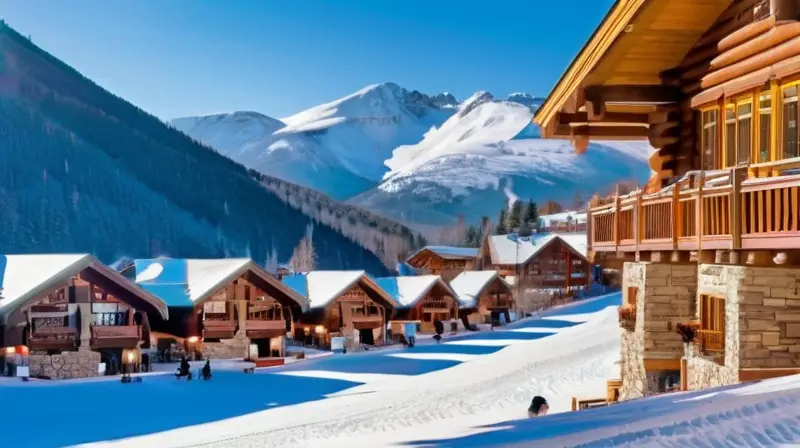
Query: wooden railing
[[711, 340], [115, 336], [63, 338], [714, 210]]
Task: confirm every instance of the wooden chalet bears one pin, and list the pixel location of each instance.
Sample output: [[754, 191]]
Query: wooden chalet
[[482, 296], [73, 315], [711, 243], [444, 261], [563, 222], [222, 305], [548, 261], [341, 304], [423, 298]]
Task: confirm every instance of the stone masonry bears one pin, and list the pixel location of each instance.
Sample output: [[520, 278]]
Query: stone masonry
[[79, 364], [762, 322], [665, 298], [235, 348]]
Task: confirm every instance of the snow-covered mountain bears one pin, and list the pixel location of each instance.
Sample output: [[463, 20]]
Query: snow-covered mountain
[[489, 152], [338, 148], [419, 158]]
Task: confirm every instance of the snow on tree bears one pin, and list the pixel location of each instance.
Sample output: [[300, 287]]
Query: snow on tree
[[304, 258]]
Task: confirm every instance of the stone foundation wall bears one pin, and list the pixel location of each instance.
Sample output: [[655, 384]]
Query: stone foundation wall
[[235, 348], [709, 371], [665, 297], [79, 364]]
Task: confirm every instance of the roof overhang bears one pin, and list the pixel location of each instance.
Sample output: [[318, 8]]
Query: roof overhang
[[622, 85], [262, 279]]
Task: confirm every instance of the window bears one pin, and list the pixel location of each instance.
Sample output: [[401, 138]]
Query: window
[[709, 139], [744, 118], [790, 122], [764, 126], [730, 135], [712, 322], [631, 299]]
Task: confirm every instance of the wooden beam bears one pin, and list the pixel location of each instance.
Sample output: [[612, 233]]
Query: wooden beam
[[596, 110], [608, 117], [622, 132], [581, 144], [633, 94]]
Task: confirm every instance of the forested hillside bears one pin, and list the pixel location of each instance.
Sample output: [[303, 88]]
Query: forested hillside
[[82, 170]]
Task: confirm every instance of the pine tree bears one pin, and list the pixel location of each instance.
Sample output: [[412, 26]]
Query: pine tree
[[532, 215], [304, 258], [515, 216], [501, 228], [471, 237]]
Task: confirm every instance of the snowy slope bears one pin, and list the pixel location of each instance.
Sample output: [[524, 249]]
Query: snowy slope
[[488, 152], [339, 147]]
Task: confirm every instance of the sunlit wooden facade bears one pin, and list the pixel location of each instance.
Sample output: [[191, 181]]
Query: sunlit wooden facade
[[712, 85], [444, 261]]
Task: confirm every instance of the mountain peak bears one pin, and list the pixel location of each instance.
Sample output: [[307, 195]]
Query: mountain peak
[[474, 101], [526, 99]]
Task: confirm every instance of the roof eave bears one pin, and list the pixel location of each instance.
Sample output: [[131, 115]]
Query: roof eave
[[614, 22]]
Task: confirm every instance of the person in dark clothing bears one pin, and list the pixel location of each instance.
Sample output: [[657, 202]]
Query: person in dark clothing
[[538, 407], [184, 370], [207, 370], [439, 327]]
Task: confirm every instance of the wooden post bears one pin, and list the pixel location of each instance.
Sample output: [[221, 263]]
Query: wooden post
[[569, 270], [676, 215], [638, 220], [616, 218], [736, 213], [699, 214]]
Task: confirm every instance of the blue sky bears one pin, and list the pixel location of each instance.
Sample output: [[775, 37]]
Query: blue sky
[[189, 57]]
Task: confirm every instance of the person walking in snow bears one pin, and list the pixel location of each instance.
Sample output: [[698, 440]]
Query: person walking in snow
[[538, 407]]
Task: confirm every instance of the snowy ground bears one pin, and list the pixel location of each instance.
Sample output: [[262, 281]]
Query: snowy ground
[[470, 390]]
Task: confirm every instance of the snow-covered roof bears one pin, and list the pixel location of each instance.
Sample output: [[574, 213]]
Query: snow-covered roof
[[184, 282], [24, 277], [323, 287], [407, 291], [469, 286], [513, 250], [449, 252]]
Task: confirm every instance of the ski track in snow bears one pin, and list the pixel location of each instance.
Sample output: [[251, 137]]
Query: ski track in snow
[[399, 410]]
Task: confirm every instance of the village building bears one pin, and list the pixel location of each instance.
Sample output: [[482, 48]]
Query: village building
[[74, 316], [543, 261], [346, 304], [483, 296], [574, 221], [227, 308], [423, 298], [444, 261], [711, 273]]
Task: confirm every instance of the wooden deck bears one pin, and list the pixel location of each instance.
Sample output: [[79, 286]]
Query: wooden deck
[[713, 210]]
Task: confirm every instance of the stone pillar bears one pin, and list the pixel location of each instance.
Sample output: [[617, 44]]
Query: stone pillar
[[242, 311]]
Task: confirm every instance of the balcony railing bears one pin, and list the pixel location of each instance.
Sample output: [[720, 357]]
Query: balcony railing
[[712, 341], [709, 210], [265, 328], [115, 336]]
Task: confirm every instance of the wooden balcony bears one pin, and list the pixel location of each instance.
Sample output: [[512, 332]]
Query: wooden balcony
[[364, 322], [59, 338], [115, 336], [710, 210], [711, 341], [258, 329], [219, 329]]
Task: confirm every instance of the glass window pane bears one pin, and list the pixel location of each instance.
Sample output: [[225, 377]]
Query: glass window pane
[[790, 129], [764, 120]]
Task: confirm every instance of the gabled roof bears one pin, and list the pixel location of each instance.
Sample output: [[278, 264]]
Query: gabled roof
[[25, 277], [407, 291], [469, 285], [184, 282], [323, 287], [512, 250], [635, 43], [447, 252]]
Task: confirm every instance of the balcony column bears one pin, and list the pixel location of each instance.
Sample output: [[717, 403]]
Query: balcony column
[[83, 298]]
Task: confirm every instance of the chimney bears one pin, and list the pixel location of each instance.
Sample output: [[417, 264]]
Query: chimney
[[784, 9]]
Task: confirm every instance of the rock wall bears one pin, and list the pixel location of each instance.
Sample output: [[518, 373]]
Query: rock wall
[[665, 297], [79, 364], [235, 348]]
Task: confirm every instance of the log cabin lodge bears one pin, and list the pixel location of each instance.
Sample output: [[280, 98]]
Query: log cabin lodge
[[341, 304], [551, 261], [423, 298], [225, 308], [444, 261], [483, 296], [712, 243], [72, 315]]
